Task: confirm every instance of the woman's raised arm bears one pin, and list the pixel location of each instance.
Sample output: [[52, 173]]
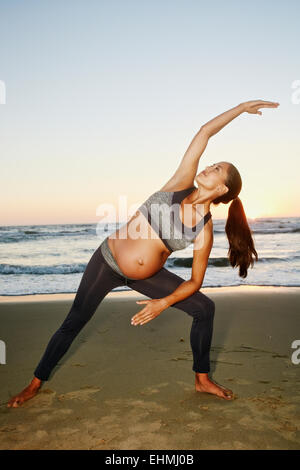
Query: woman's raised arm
[[252, 107], [187, 170], [185, 174]]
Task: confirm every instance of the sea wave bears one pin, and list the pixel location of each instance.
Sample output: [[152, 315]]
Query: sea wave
[[29, 235], [7, 269], [220, 262]]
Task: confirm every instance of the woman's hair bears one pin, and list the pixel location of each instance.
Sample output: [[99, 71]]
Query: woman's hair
[[241, 245]]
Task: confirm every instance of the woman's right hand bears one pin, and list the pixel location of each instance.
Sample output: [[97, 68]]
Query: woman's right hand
[[252, 107]]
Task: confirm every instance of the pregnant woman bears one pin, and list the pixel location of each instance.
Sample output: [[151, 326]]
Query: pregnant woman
[[169, 220]]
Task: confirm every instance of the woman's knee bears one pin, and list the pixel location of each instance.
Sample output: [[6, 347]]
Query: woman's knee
[[205, 308], [212, 307]]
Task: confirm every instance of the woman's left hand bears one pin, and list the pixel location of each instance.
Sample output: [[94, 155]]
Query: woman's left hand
[[252, 107], [153, 308]]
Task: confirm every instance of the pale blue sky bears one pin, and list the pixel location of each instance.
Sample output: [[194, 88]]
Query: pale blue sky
[[104, 97]]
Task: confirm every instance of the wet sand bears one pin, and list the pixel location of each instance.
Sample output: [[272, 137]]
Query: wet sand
[[132, 387]]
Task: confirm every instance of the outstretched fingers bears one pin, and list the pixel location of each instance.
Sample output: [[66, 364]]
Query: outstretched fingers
[[264, 103], [269, 105]]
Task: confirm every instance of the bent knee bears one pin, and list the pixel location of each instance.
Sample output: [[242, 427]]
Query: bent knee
[[206, 309], [211, 306]]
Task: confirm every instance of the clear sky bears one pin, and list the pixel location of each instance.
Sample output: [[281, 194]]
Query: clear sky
[[103, 98]]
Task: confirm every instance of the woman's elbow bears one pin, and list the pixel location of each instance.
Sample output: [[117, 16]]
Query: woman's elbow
[[204, 130], [197, 283]]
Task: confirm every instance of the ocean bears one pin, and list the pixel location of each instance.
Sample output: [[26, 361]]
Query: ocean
[[40, 259]]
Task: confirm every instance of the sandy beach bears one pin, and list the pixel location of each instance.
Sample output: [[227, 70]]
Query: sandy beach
[[126, 387]]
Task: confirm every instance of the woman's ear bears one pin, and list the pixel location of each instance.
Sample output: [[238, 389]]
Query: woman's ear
[[223, 189]]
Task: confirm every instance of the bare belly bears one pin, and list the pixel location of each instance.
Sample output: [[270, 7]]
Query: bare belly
[[142, 256]]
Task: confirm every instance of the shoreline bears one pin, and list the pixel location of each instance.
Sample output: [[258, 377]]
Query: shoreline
[[132, 293]]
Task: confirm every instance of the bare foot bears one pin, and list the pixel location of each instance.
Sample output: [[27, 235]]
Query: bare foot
[[204, 384], [26, 394]]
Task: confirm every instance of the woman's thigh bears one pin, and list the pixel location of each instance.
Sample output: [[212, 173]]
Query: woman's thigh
[[163, 283], [97, 281]]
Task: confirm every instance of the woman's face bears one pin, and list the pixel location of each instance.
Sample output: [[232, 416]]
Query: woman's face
[[213, 176]]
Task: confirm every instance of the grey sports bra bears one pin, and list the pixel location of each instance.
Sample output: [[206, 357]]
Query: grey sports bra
[[162, 211]]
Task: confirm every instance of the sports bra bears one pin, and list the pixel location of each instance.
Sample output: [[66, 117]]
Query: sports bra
[[162, 211]]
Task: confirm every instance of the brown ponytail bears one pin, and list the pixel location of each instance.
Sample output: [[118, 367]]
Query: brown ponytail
[[241, 245]]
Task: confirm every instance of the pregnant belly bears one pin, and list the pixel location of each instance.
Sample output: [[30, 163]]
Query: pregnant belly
[[140, 257]]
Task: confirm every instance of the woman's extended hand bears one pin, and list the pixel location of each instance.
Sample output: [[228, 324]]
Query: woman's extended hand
[[252, 107], [153, 308]]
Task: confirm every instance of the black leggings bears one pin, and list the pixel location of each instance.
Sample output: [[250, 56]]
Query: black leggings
[[98, 280]]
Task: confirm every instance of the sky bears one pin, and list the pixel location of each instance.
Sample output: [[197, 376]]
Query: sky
[[102, 99]]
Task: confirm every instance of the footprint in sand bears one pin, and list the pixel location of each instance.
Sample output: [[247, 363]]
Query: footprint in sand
[[180, 359], [82, 394], [240, 381], [41, 434], [151, 390], [43, 399], [134, 405], [251, 423], [67, 431]]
